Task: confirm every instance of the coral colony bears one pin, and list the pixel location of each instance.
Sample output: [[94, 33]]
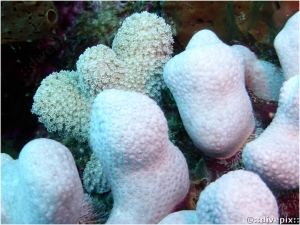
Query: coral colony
[[239, 111]]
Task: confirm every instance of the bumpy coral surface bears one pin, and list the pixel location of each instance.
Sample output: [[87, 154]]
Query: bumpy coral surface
[[147, 173], [181, 217], [274, 155], [234, 197], [5, 158], [287, 47], [207, 82], [262, 77], [144, 43], [62, 106], [99, 69], [42, 186]]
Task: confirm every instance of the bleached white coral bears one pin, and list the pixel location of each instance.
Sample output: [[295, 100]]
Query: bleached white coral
[[181, 217], [286, 45], [234, 197], [42, 186], [99, 69], [208, 85], [129, 135], [262, 77], [274, 155], [94, 180], [5, 158], [61, 106]]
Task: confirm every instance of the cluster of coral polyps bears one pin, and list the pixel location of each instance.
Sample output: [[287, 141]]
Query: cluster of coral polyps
[[139, 52]]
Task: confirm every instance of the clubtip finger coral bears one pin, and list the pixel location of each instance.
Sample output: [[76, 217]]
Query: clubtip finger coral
[[286, 44], [262, 77], [232, 199], [140, 50], [148, 175], [61, 106], [42, 186], [99, 69], [208, 84], [274, 155], [144, 43], [94, 180]]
